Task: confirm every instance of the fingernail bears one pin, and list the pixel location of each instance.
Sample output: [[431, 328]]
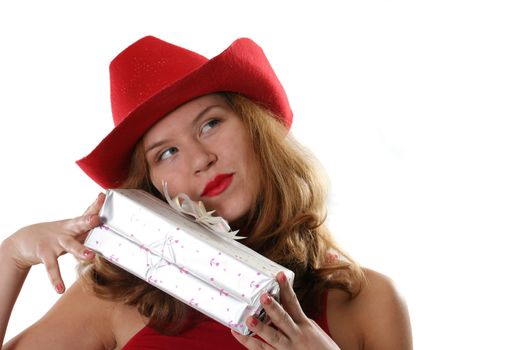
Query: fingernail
[[99, 197], [253, 321], [266, 299], [281, 277], [59, 287], [88, 254]]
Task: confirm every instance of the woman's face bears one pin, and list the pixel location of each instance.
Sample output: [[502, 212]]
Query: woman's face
[[203, 149]]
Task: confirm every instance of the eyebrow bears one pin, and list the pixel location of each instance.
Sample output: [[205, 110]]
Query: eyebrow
[[193, 123]]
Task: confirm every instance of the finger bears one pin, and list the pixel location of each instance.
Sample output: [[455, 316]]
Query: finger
[[94, 208], [270, 335], [288, 299], [73, 246], [82, 237], [82, 224], [251, 342], [53, 271], [279, 317], [331, 258]]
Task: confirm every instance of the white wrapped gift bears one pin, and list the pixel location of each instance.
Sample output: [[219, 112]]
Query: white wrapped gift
[[196, 260]]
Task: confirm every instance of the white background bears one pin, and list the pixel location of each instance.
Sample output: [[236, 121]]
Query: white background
[[415, 108]]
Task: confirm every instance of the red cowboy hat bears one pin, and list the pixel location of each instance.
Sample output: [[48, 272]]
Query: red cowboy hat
[[151, 78]]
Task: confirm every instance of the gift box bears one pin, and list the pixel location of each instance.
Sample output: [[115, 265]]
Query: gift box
[[186, 252]]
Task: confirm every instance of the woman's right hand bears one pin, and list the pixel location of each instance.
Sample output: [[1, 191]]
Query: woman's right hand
[[45, 242]]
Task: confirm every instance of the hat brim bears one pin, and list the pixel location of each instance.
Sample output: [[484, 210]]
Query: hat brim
[[241, 68]]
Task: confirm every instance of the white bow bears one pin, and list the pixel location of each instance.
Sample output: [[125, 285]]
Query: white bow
[[197, 211]]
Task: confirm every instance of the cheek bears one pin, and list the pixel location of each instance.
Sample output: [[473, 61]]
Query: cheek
[[252, 177], [175, 186], [256, 188], [157, 178], [253, 169]]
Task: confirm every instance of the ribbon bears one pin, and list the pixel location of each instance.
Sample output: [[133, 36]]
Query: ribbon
[[155, 257], [185, 206], [165, 257]]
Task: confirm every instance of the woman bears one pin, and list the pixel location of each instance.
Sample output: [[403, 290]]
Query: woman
[[216, 130]]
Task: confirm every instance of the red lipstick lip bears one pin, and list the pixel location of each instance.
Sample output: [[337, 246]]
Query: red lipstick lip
[[218, 185]]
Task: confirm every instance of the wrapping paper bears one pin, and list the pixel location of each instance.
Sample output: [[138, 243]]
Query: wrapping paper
[[209, 271]]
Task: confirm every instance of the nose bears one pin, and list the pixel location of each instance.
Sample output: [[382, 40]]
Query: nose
[[202, 159]]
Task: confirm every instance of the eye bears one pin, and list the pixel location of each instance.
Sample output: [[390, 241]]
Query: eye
[[209, 125], [169, 152]]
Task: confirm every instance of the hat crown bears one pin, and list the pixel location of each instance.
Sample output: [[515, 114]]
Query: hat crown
[[145, 68]]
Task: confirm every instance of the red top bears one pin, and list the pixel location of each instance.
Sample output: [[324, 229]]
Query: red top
[[207, 334]]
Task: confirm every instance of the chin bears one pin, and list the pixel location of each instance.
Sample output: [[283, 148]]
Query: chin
[[235, 218], [230, 217]]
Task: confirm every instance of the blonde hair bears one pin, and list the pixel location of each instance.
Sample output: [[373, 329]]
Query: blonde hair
[[286, 224]]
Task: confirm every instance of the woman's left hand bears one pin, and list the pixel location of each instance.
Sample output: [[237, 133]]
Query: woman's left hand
[[290, 329]]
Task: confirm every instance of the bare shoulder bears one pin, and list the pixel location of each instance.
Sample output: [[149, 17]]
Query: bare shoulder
[[116, 323], [79, 320], [377, 318]]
